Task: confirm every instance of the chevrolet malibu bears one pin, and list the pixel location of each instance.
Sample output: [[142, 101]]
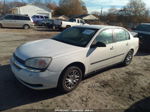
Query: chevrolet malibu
[[66, 58]]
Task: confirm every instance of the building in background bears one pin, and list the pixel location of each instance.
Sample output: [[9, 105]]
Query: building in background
[[62, 17], [32, 10], [87, 17]]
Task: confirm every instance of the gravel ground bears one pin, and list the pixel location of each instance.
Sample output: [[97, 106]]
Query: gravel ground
[[115, 89]]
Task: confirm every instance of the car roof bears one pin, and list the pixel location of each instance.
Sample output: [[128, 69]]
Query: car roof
[[17, 15], [98, 26], [145, 23]]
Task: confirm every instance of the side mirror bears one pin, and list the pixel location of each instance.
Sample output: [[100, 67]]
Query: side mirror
[[98, 44]]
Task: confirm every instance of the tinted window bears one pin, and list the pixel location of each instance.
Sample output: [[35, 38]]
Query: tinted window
[[46, 17], [26, 18], [42, 17], [72, 20], [105, 36], [21, 18], [120, 35], [34, 16], [143, 27], [18, 17], [37, 17], [9, 17]]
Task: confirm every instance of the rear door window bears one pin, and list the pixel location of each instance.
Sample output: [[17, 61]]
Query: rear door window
[[26, 18], [121, 35], [37, 17], [41, 17], [46, 17]]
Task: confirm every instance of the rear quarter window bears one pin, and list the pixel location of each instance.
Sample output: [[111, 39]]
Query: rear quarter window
[[26, 18]]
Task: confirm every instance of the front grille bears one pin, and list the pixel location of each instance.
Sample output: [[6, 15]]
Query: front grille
[[19, 60]]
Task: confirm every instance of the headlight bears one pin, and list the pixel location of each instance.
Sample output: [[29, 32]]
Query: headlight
[[39, 63]]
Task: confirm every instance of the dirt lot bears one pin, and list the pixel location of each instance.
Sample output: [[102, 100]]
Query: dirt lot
[[112, 90]]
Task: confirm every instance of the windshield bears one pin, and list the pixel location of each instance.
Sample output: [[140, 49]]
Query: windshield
[[76, 36], [143, 27]]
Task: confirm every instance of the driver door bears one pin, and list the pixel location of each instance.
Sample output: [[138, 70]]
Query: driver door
[[100, 57]]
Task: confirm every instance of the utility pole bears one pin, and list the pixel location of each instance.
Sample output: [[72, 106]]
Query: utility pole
[[4, 11], [101, 11]]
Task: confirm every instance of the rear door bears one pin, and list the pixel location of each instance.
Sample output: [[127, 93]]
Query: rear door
[[18, 21], [8, 21], [121, 45]]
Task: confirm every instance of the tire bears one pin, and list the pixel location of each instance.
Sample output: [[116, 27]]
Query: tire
[[43, 24], [53, 27], [128, 58], [70, 79], [68, 26], [26, 27], [1, 26]]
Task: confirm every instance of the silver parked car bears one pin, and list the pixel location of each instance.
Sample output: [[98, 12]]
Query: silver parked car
[[16, 21]]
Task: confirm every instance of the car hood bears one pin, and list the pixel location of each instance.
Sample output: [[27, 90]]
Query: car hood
[[44, 48]]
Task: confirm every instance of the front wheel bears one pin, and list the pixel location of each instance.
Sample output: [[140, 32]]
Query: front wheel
[[128, 58], [70, 79], [1, 26]]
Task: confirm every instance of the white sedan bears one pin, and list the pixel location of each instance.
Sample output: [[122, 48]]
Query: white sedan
[[65, 59]]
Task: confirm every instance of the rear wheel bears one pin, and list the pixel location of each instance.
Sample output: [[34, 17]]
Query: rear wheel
[[1, 26], [70, 79], [26, 27], [68, 26], [128, 58], [53, 27]]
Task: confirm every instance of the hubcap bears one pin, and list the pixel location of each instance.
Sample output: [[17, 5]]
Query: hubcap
[[26, 27], [129, 57], [72, 79]]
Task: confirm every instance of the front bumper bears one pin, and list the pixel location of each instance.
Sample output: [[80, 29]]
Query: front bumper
[[33, 79]]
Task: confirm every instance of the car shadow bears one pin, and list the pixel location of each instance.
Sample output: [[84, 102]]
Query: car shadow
[[42, 28], [14, 94], [92, 74], [140, 106], [142, 53]]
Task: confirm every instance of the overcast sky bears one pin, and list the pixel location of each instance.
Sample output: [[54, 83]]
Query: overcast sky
[[96, 5]]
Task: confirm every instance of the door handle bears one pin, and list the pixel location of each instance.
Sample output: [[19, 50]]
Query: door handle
[[112, 48], [127, 44]]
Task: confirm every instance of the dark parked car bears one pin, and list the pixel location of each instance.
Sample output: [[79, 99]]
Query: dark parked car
[[44, 22], [49, 23], [143, 31]]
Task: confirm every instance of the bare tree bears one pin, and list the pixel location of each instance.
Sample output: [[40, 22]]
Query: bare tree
[[71, 7], [136, 11], [136, 8]]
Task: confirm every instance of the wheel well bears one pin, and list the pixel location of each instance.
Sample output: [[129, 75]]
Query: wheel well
[[68, 26], [132, 50], [78, 64]]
